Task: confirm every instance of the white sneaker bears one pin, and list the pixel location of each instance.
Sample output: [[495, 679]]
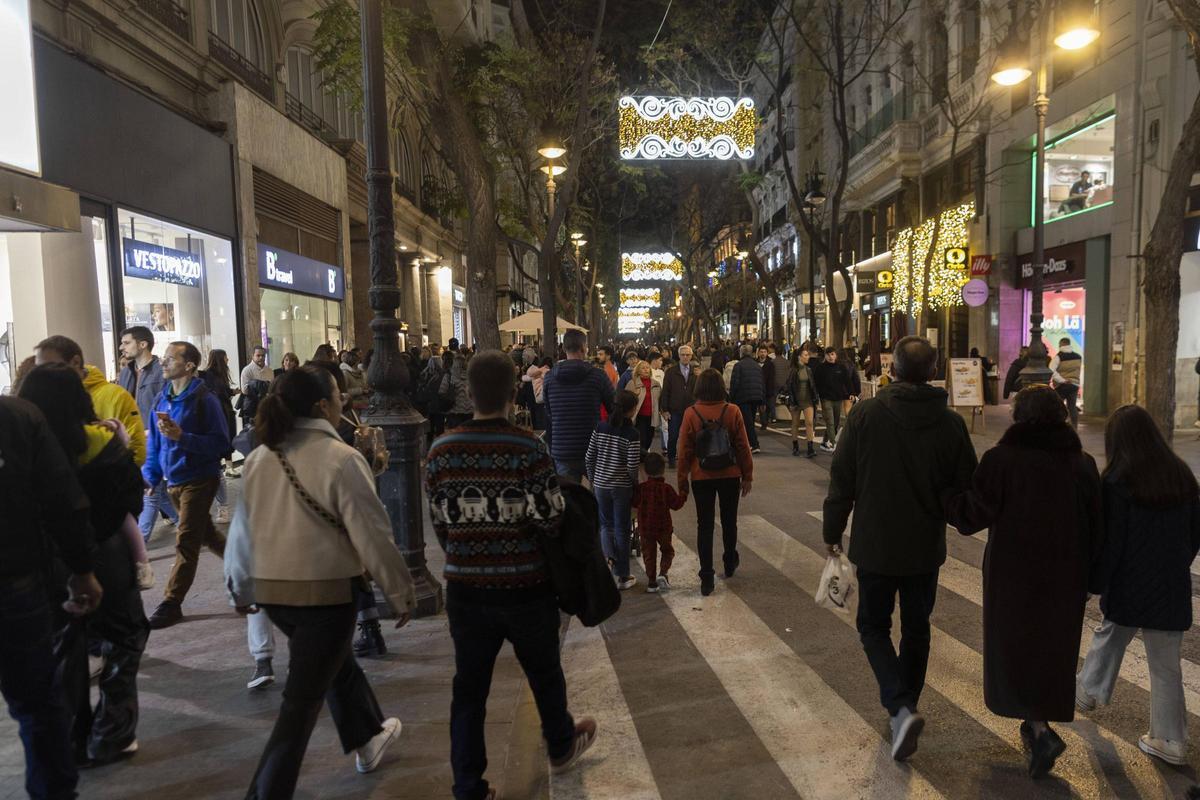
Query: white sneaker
[[222, 515], [663, 583], [367, 757], [827, 447], [627, 583], [145, 575], [906, 729], [1169, 751], [95, 666]]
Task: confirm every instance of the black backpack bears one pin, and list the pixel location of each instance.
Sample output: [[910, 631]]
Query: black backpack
[[714, 450], [427, 400]]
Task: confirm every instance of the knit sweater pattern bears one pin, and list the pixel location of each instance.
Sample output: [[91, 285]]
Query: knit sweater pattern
[[492, 492]]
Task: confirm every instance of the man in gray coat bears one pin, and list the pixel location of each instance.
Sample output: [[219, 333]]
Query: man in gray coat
[[143, 378]]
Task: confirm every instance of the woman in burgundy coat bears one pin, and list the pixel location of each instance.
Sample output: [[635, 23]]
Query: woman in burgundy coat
[[1039, 494]]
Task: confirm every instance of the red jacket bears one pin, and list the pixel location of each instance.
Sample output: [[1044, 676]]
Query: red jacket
[[655, 499]]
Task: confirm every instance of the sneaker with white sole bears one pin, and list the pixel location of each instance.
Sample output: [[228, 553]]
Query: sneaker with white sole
[[663, 583], [585, 734], [652, 587], [1083, 700], [367, 757], [263, 676], [626, 583], [145, 575], [906, 729], [1169, 751], [222, 517]]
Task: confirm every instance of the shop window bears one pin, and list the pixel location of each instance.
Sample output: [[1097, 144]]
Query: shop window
[[1079, 170], [179, 283], [969, 29]]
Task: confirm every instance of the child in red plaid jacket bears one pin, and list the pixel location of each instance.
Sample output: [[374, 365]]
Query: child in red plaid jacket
[[655, 499]]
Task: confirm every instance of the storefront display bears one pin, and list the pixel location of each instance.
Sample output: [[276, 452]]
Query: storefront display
[[1064, 296], [1079, 170], [301, 301]]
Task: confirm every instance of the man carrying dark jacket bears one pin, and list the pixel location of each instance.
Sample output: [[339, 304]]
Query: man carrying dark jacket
[[188, 438], [44, 510], [899, 451], [573, 393], [748, 390], [678, 394]]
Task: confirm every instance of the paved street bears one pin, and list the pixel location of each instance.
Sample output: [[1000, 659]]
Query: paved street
[[753, 692]]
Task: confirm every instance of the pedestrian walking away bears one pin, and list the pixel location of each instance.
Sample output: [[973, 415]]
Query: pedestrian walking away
[[900, 451], [497, 583], [185, 448], [613, 457], [716, 463], [1033, 607], [308, 523], [654, 500], [1066, 369], [574, 392], [747, 390], [1152, 525]]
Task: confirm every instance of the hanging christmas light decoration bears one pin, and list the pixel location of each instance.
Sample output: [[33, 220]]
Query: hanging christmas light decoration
[[909, 257], [641, 298], [686, 127], [651, 267]]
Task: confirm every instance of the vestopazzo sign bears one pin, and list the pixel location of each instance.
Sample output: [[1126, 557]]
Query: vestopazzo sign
[[157, 263]]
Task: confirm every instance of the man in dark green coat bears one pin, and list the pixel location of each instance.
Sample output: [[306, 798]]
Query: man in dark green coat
[[898, 452]]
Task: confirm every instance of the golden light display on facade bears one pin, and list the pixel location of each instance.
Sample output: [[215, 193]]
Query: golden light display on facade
[[641, 298], [908, 262], [651, 267], [686, 127]]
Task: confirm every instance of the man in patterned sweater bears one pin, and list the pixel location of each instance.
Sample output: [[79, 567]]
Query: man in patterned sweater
[[492, 493]]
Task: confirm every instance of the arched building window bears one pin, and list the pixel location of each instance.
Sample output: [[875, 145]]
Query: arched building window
[[311, 104], [405, 158], [238, 24]]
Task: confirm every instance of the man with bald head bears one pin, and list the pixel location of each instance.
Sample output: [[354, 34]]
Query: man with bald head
[[679, 386]]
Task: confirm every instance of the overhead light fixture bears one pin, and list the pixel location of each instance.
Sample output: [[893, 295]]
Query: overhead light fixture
[[576, 236], [403, 246], [553, 169], [1075, 24], [1012, 64], [552, 148]]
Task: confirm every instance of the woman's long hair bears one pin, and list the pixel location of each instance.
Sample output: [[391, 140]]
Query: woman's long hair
[[294, 395], [325, 352], [218, 367], [58, 392], [710, 386], [1140, 459]]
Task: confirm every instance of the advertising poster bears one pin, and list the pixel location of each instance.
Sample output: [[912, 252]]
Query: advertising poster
[[965, 382], [155, 316], [1065, 313]]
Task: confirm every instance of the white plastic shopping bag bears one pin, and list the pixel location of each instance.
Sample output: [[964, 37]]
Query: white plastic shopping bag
[[837, 585]]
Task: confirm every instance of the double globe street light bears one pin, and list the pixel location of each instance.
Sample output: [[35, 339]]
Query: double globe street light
[[1074, 29]]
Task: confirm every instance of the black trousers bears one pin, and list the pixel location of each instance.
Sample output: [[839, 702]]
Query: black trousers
[[707, 493], [901, 676], [320, 669], [121, 628], [645, 431], [479, 630]]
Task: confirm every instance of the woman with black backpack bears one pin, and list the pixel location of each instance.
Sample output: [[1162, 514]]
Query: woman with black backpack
[[714, 455]]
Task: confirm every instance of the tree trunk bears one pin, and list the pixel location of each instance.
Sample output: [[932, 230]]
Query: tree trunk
[[1161, 280]]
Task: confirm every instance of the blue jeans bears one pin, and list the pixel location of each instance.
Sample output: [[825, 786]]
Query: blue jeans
[[749, 415], [570, 468], [673, 426], [157, 501], [479, 631], [616, 510], [27, 679]]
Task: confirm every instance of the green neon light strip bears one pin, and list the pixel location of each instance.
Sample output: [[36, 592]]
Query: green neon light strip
[[1054, 143]]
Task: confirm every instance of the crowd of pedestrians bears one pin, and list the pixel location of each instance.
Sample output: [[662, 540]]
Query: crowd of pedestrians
[[516, 441]]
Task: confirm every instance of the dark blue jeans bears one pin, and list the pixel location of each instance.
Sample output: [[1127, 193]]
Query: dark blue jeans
[[28, 682], [673, 426], [749, 415], [479, 629]]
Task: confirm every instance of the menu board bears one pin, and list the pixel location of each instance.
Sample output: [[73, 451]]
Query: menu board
[[965, 382]]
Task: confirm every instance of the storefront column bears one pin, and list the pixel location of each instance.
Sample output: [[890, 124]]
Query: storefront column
[[411, 271], [433, 307], [54, 291], [1096, 362]]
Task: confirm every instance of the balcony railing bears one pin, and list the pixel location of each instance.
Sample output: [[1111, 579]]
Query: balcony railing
[[309, 119], [169, 15], [241, 66], [898, 108]]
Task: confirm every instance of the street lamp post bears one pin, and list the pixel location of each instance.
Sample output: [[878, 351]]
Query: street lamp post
[[813, 199], [399, 486], [551, 149], [578, 240], [1076, 29]]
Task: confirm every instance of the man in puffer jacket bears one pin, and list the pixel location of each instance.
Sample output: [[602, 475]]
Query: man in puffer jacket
[[748, 391], [573, 393]]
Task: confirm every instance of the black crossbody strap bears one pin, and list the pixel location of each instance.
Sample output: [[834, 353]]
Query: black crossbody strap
[[313, 504]]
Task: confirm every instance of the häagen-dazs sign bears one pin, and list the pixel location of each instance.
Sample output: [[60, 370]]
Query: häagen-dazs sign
[[157, 263]]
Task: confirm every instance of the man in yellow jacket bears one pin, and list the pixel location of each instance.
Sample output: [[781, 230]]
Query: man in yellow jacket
[[109, 400]]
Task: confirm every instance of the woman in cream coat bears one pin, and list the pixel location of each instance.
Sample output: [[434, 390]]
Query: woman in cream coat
[[641, 383], [308, 523]]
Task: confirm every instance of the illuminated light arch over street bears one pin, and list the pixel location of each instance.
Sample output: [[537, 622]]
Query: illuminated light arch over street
[[651, 267], [720, 128]]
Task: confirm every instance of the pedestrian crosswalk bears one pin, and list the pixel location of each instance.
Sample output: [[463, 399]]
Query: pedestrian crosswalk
[[776, 683]]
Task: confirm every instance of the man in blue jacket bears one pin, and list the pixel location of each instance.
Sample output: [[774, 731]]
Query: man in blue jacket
[[573, 393], [143, 378], [187, 439]]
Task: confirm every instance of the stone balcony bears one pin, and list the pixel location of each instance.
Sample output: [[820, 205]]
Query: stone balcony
[[894, 154]]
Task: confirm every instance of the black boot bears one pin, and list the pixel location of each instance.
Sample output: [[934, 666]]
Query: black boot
[[795, 448], [370, 639], [811, 452]]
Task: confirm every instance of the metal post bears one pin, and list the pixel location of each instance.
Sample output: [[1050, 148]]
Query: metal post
[[812, 276], [400, 485], [1037, 366], [578, 289]]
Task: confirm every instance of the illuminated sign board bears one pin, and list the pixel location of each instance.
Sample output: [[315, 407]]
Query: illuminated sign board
[[651, 267], [19, 131], [154, 262], [279, 269]]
